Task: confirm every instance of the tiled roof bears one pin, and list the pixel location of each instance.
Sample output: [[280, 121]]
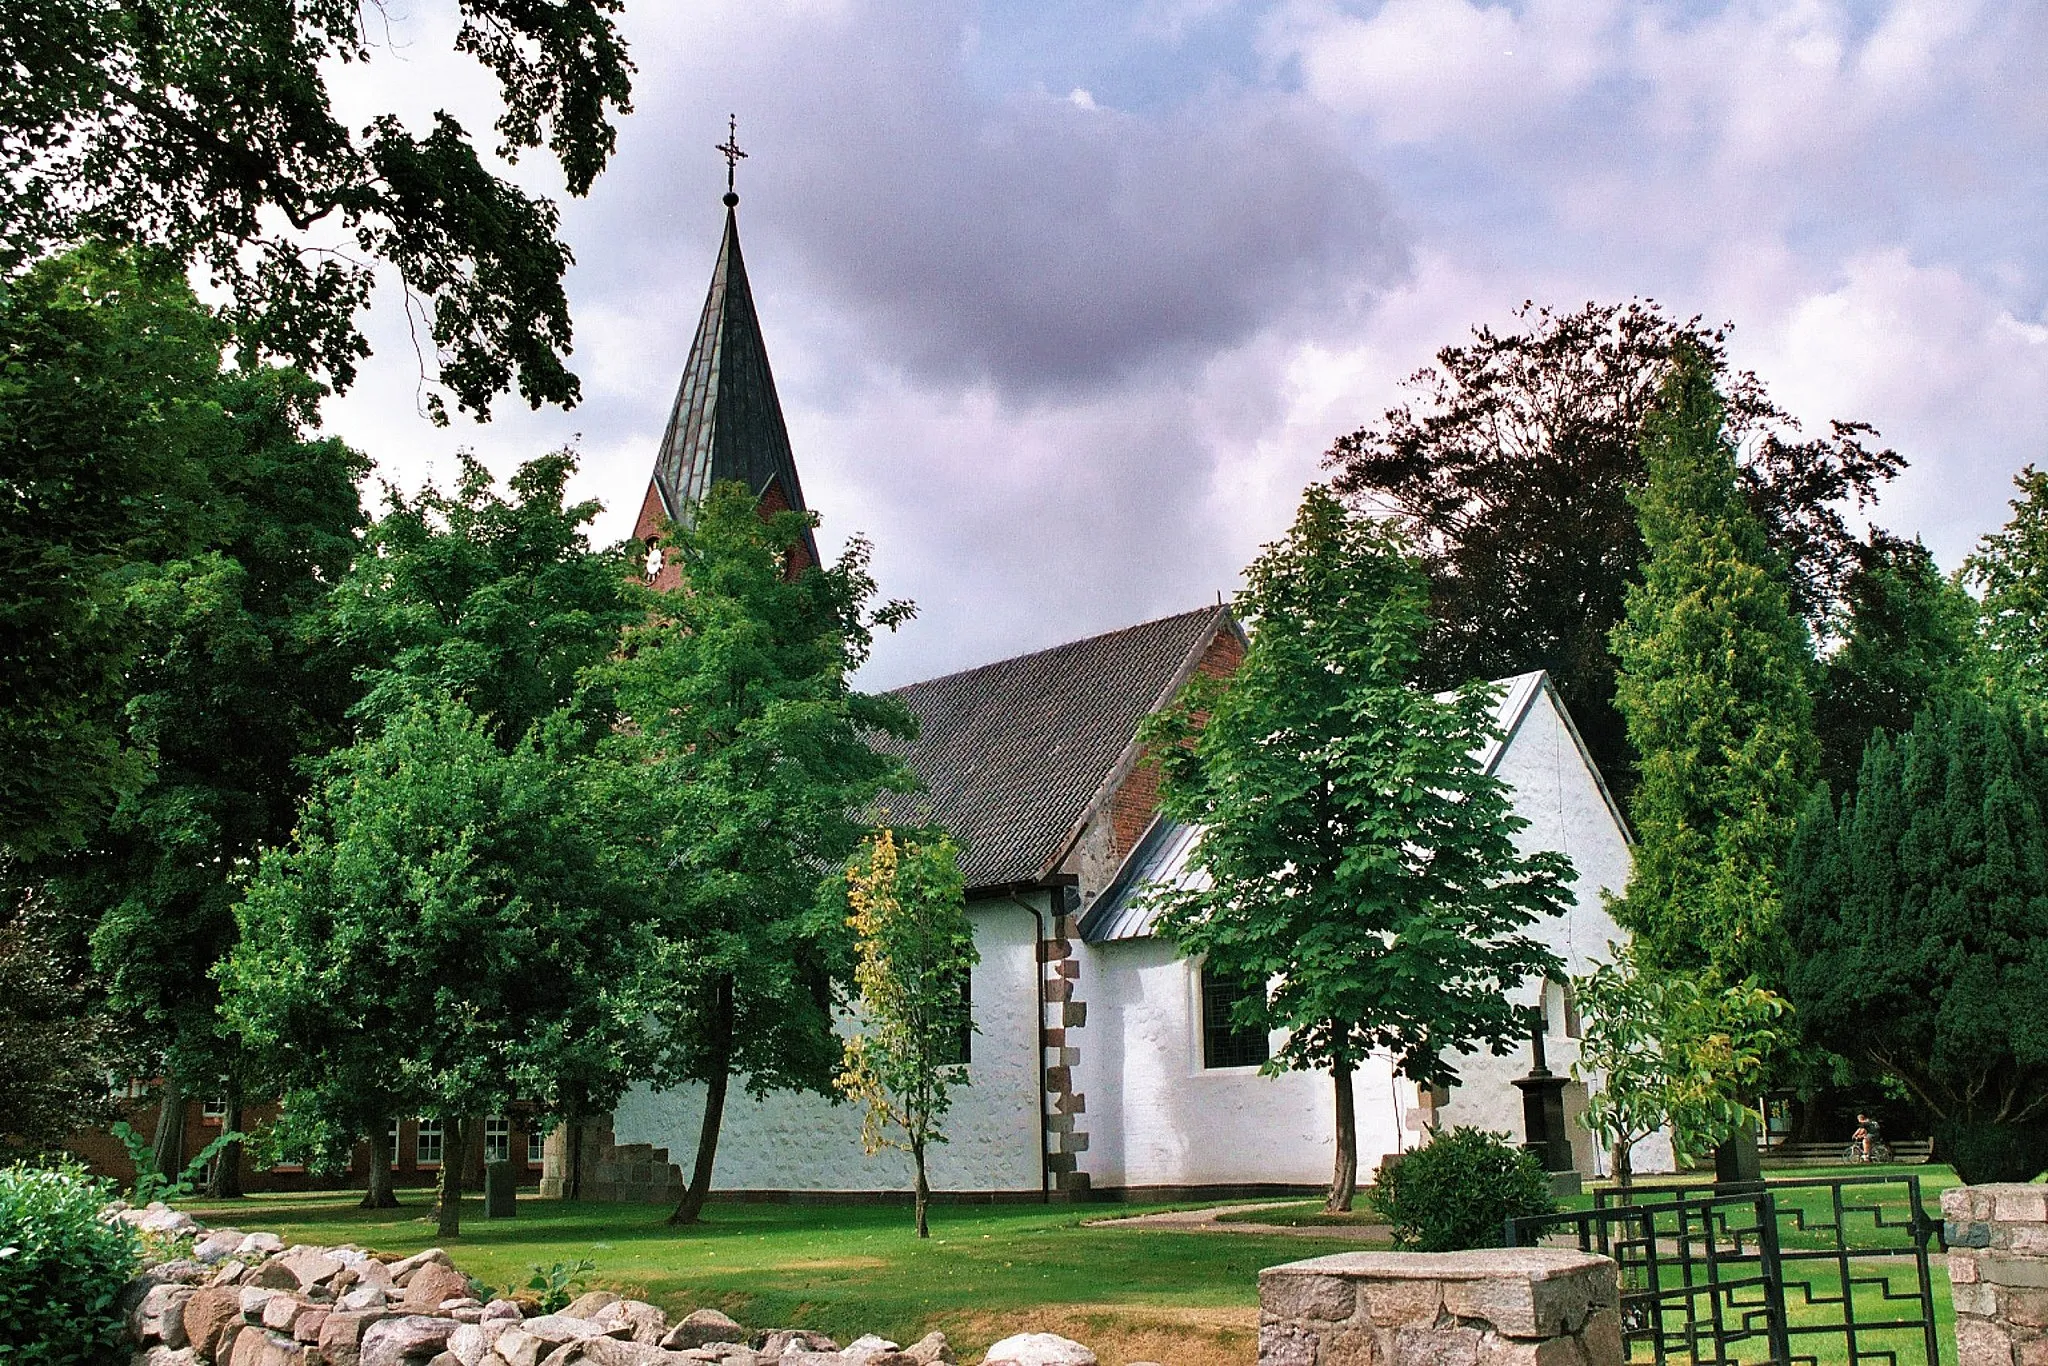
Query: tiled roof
[[1161, 860], [1011, 753], [727, 420]]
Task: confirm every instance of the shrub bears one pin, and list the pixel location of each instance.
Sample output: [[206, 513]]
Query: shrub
[[61, 1267], [1459, 1191]]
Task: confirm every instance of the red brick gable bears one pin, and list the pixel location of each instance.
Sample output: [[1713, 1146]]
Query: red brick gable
[[647, 529], [1137, 800]]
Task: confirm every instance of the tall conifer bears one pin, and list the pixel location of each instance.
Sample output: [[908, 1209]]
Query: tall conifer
[[1713, 686]]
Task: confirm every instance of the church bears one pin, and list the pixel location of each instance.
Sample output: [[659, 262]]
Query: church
[[1104, 1063]]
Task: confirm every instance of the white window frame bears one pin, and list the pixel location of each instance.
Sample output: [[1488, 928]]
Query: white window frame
[[497, 1139], [425, 1130], [214, 1111], [536, 1144]]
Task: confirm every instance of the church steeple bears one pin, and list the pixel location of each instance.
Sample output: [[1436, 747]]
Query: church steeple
[[727, 421]]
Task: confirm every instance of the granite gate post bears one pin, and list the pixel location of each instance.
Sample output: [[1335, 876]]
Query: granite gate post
[[1524, 1306], [1998, 1270]]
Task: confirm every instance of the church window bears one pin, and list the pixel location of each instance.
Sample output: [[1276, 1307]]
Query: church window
[[1224, 1043], [536, 1144], [963, 1046], [497, 1139], [426, 1144]]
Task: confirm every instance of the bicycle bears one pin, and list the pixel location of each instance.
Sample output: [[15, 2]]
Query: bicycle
[[1880, 1151]]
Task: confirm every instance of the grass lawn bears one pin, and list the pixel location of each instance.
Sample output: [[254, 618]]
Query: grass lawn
[[1190, 1299]]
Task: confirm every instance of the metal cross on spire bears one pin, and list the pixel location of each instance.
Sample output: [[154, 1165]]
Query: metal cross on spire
[[733, 154]]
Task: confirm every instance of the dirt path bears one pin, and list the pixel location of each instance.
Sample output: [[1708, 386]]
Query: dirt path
[[1208, 1221]]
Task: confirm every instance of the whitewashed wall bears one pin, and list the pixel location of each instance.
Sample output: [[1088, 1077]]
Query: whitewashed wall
[[806, 1142], [1157, 1117], [1556, 792]]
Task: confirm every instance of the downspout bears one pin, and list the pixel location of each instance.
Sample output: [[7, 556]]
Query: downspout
[[1038, 981]]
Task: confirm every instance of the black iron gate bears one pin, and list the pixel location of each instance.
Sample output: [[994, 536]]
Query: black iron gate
[[1823, 1271]]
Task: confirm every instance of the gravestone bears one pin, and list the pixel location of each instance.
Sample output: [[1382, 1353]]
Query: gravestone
[[501, 1191]]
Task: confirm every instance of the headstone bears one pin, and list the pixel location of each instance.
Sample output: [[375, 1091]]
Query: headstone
[[501, 1191]]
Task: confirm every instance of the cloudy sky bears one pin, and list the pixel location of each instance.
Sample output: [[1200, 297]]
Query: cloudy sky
[[1066, 299]]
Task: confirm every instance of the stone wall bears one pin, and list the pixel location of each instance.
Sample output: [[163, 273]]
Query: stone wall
[[1492, 1307], [1998, 1269]]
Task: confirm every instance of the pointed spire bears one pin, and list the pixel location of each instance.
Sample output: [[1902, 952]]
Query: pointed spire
[[727, 420]]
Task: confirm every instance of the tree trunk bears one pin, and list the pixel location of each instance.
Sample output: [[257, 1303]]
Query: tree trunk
[[377, 1192], [473, 1153], [227, 1168], [924, 1190], [450, 1212], [691, 1207], [169, 1146], [1344, 1183], [1624, 1166]]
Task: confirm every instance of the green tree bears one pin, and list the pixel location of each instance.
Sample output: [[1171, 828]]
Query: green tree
[[2010, 570], [1910, 637], [1713, 679], [916, 949], [108, 376], [1918, 915], [1670, 1053], [749, 756], [1514, 469], [1359, 862], [205, 129], [57, 1046], [447, 916], [500, 602]]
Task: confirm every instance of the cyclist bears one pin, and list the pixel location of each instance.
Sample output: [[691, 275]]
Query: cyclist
[[1867, 1136]]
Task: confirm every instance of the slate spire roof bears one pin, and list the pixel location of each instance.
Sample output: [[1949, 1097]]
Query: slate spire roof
[[727, 421]]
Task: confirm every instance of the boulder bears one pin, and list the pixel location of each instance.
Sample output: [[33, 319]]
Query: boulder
[[310, 1266], [231, 1273], [702, 1326], [868, 1345], [254, 1297], [260, 1245], [341, 1335], [649, 1324], [164, 1221], [158, 1317], [587, 1305], [502, 1309], [161, 1355], [360, 1297], [931, 1350], [402, 1270], [218, 1245], [1038, 1349], [472, 1342], [517, 1347], [306, 1328], [280, 1312], [208, 1314], [556, 1329], [780, 1340], [273, 1275], [405, 1341], [430, 1284]]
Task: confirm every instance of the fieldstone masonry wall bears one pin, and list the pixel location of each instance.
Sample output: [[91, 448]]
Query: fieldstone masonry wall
[[1998, 1268], [1494, 1307]]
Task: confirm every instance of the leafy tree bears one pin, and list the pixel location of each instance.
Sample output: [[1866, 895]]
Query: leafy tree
[[204, 128], [220, 521], [1359, 862], [2010, 569], [1669, 1053], [108, 372], [1713, 684], [1910, 636], [1513, 470], [1918, 915], [447, 914], [57, 1048], [500, 602], [916, 947], [748, 757]]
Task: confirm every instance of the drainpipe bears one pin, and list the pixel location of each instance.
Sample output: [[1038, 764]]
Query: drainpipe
[[1038, 981]]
